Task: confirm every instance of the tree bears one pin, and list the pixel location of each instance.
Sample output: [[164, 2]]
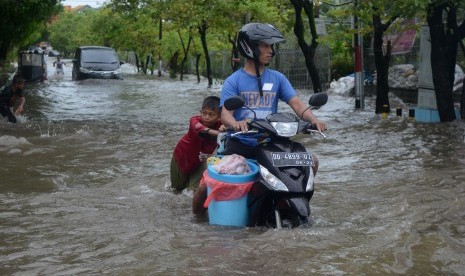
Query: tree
[[74, 29], [308, 50], [138, 29], [444, 41], [19, 20], [383, 17], [61, 32], [271, 11], [135, 25], [379, 17], [445, 36], [185, 51], [193, 14], [339, 39], [220, 20], [202, 27], [382, 58]]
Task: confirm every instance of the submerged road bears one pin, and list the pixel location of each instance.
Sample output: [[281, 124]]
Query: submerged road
[[84, 190]]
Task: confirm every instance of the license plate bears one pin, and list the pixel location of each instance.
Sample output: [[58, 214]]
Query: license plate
[[287, 159]]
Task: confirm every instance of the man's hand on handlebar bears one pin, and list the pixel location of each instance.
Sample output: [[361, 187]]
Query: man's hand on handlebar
[[320, 126], [313, 129], [240, 126]]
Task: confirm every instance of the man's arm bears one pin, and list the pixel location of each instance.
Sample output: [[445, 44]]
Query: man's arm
[[20, 106], [228, 120], [306, 113]]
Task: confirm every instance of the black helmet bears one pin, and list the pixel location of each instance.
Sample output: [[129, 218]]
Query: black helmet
[[251, 34]]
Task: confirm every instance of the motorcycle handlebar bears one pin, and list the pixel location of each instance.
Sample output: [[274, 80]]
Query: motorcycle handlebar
[[244, 132], [313, 129]]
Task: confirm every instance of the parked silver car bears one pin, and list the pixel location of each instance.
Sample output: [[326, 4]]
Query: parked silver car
[[96, 62]]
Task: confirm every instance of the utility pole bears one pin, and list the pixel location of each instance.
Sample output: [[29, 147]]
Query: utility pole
[[358, 66]]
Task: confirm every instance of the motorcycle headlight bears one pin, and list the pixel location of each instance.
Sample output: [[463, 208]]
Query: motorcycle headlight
[[286, 129], [272, 181]]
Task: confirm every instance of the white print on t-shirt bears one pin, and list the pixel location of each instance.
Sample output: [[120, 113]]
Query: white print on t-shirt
[[267, 86]]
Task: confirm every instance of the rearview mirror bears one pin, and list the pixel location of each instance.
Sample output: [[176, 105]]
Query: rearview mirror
[[318, 99], [234, 103]]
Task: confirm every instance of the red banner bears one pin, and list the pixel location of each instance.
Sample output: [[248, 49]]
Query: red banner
[[402, 42]]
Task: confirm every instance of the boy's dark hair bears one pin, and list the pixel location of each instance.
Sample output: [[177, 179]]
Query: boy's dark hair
[[211, 102], [18, 79]]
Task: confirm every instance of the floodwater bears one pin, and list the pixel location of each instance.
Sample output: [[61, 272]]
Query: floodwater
[[84, 190]]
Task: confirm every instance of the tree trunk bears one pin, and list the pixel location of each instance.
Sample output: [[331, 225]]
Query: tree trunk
[[173, 64], [147, 62], [462, 101], [234, 54], [186, 53], [160, 36], [143, 66], [308, 51], [203, 37], [382, 64], [197, 72], [444, 46], [137, 63], [3, 52]]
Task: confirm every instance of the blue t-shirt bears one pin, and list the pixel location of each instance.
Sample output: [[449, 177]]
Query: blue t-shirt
[[275, 86]]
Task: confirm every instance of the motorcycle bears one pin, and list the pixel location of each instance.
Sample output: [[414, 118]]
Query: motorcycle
[[281, 196]]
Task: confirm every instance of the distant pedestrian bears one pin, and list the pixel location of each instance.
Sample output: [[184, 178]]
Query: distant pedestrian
[[59, 65], [9, 96]]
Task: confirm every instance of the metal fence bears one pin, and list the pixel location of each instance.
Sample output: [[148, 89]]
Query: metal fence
[[290, 61], [412, 57]]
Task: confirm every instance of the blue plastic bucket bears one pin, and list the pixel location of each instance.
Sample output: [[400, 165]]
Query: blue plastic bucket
[[230, 212]]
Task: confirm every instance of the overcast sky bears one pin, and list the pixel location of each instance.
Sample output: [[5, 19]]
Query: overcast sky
[[92, 3]]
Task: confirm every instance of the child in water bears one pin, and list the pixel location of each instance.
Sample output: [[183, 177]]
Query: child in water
[[190, 154]]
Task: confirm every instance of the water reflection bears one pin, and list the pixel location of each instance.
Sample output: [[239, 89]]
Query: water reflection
[[85, 191]]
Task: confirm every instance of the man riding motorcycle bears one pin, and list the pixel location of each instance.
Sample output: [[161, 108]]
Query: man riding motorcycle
[[256, 44]]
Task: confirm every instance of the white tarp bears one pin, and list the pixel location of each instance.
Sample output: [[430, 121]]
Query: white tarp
[[403, 76]]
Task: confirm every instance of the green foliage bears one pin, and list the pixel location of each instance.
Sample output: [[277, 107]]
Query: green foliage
[[21, 22], [62, 32], [133, 25], [340, 43], [341, 66], [339, 40]]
